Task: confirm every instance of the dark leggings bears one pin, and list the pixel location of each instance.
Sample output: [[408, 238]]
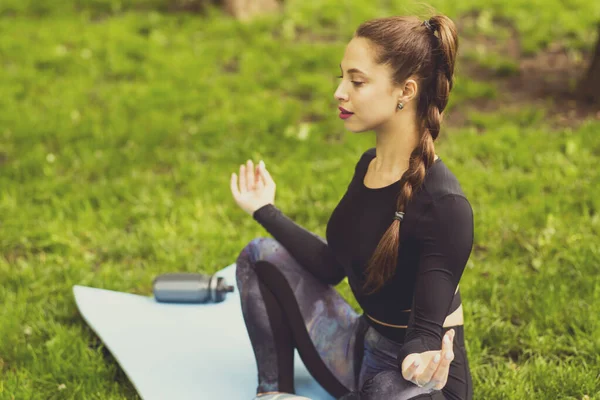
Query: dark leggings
[[286, 307]]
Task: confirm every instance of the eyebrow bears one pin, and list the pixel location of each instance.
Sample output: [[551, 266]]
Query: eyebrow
[[352, 70]]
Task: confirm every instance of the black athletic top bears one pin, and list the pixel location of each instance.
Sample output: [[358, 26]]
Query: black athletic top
[[436, 238]]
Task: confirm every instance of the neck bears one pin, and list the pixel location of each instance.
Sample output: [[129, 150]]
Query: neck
[[394, 145]]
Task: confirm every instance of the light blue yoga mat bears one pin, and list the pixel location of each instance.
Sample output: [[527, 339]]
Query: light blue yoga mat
[[182, 351]]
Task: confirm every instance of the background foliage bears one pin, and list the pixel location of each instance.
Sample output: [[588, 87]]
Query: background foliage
[[121, 122]]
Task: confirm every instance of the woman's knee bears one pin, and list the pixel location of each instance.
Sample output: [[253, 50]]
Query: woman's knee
[[256, 250]]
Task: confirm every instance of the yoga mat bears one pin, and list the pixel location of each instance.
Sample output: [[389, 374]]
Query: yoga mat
[[182, 351]]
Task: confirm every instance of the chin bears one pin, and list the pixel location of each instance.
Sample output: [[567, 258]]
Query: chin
[[359, 129]]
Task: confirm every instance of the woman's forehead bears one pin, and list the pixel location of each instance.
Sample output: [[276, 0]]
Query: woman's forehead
[[359, 55]]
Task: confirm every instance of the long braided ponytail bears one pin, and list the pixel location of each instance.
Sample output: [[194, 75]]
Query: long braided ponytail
[[413, 49]]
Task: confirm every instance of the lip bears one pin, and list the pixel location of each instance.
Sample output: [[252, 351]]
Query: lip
[[344, 111], [345, 116]]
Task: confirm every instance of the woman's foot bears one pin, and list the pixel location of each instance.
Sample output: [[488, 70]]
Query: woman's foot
[[279, 396]]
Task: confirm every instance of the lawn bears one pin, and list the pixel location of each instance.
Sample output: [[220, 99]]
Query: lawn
[[120, 125]]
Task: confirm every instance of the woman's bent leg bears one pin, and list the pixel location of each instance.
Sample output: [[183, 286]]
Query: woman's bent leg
[[285, 306], [380, 377]]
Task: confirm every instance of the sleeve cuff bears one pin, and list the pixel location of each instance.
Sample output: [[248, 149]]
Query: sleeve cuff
[[265, 212]]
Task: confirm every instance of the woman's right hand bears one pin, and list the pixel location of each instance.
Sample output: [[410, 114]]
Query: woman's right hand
[[422, 369], [256, 187]]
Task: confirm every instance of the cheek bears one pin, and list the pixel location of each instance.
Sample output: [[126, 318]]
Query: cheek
[[374, 108]]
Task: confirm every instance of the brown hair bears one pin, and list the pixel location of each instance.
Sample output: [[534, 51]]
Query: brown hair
[[411, 48]]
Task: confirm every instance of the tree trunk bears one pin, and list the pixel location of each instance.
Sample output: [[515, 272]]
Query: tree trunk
[[589, 87], [239, 9], [246, 9]]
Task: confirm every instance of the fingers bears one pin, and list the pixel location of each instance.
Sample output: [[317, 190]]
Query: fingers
[[411, 371], [259, 183], [436, 372], [424, 377], [243, 187], [440, 377], [260, 176], [233, 185], [266, 175], [252, 177], [249, 175], [257, 179]]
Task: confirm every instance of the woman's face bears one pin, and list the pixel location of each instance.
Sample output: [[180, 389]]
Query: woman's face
[[366, 88]]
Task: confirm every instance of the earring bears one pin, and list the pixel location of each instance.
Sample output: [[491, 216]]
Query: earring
[[400, 106]]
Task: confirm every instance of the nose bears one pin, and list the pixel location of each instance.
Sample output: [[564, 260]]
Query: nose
[[339, 95]]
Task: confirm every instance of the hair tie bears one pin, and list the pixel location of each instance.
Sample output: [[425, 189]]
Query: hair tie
[[428, 25], [399, 215]]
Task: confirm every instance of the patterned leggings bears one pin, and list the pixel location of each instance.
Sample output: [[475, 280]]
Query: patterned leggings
[[286, 307]]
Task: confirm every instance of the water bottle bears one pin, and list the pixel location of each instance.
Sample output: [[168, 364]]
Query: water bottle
[[190, 288]]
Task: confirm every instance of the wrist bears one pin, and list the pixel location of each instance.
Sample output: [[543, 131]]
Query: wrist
[[264, 206]]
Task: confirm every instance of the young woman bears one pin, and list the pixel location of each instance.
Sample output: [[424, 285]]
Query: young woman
[[402, 234]]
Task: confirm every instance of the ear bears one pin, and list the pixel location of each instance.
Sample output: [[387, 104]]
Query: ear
[[408, 91]]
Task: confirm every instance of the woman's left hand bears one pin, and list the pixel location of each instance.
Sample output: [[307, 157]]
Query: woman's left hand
[[428, 373]]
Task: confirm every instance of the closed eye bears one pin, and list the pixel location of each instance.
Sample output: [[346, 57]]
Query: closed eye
[[354, 82]]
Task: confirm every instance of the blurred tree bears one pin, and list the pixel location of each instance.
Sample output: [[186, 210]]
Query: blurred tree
[[246, 9], [240, 9], [590, 84], [190, 5]]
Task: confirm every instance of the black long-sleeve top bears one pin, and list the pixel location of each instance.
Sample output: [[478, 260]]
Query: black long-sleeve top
[[436, 239]]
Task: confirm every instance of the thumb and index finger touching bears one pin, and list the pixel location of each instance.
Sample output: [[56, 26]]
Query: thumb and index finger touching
[[262, 178], [440, 376], [437, 367]]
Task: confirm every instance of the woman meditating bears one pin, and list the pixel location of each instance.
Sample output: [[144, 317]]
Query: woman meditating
[[402, 234]]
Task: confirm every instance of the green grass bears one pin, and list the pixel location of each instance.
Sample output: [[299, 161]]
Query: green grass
[[120, 127]]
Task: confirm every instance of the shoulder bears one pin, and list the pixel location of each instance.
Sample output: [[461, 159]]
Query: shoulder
[[369, 152], [443, 200], [439, 183], [448, 222], [365, 158]]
